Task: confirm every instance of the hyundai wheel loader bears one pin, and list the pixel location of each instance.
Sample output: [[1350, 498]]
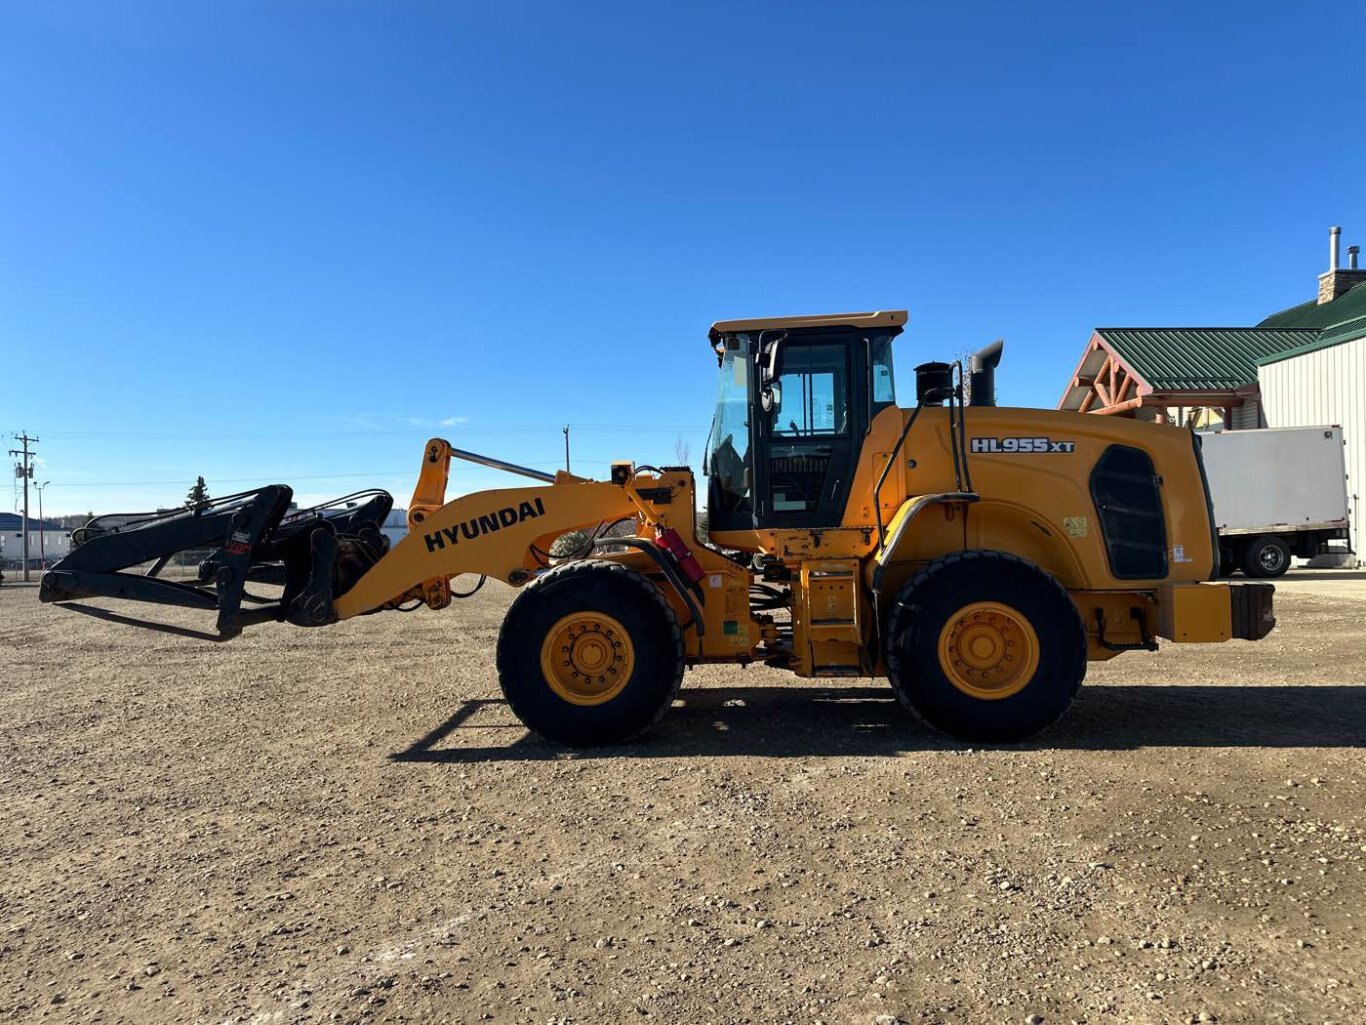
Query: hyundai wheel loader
[[975, 556]]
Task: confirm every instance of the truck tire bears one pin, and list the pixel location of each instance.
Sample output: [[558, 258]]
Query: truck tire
[[985, 646], [1266, 557], [590, 654], [1228, 564]]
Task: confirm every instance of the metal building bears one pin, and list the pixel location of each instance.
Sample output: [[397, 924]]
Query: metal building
[[395, 526], [1323, 381], [44, 538], [1301, 367]]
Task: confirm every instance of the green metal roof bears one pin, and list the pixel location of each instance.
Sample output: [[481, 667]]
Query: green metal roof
[[1200, 358], [1336, 322], [1348, 306], [1326, 339], [1344, 332]]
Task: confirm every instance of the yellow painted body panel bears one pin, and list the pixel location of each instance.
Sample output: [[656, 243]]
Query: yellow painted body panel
[[471, 535], [1195, 614], [1125, 616], [1035, 505]]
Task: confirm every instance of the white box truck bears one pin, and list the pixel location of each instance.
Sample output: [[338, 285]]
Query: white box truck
[[1276, 493]]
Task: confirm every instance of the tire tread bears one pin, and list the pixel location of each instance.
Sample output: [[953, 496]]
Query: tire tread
[[613, 571], [906, 609]]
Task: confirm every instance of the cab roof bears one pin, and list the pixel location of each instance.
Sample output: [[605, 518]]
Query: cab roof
[[882, 318]]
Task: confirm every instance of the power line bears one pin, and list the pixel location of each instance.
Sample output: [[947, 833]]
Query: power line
[[257, 478], [624, 429]]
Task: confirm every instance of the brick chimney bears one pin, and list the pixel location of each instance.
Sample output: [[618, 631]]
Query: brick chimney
[[1337, 280]]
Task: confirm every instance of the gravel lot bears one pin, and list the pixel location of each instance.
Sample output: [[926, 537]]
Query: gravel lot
[[348, 825]]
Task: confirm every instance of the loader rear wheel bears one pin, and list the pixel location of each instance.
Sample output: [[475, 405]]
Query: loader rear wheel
[[590, 654], [985, 646]]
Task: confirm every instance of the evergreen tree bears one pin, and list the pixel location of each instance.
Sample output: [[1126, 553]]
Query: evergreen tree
[[198, 494]]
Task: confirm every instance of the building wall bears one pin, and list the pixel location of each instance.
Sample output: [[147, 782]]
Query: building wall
[[1248, 416], [1327, 386], [395, 526], [56, 543]]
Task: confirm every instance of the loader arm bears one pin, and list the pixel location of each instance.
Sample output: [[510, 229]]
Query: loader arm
[[492, 533]]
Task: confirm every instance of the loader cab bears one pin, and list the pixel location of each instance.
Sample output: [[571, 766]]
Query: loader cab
[[795, 399]]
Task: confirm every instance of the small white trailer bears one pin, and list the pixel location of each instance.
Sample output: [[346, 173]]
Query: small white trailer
[[1276, 493]]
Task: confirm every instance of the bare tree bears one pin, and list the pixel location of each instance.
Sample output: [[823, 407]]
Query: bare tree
[[963, 357], [681, 451]]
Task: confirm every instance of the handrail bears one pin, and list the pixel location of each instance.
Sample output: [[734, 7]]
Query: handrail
[[957, 445], [882, 478], [958, 433]]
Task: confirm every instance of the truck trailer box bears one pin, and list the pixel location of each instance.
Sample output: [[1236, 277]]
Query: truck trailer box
[[1276, 493]]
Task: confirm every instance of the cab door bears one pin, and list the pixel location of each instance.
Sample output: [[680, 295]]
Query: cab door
[[809, 433]]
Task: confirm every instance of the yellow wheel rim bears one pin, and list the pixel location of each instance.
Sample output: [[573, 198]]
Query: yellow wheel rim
[[587, 658], [988, 650]]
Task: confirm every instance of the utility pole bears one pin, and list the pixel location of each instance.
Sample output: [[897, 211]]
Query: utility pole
[[42, 526], [24, 470], [566, 448]]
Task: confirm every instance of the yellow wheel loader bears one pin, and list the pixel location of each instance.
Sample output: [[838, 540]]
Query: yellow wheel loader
[[976, 556]]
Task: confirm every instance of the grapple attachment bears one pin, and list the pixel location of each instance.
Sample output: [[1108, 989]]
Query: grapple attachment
[[316, 554]]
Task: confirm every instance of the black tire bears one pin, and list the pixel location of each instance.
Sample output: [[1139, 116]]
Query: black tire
[[636, 604], [1266, 557], [1228, 565], [946, 586]]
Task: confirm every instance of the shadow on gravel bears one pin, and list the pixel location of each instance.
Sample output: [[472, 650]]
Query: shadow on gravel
[[147, 624], [1301, 576], [841, 721]]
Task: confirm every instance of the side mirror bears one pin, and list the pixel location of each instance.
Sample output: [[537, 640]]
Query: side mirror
[[770, 359], [771, 398]]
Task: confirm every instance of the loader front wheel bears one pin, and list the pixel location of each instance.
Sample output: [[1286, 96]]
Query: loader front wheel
[[985, 646], [590, 654]]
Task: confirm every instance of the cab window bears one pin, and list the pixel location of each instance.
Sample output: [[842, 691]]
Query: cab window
[[728, 460], [884, 390], [810, 396]]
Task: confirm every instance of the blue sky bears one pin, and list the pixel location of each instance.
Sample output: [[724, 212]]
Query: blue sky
[[290, 241]]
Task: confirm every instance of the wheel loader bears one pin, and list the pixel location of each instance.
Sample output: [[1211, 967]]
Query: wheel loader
[[975, 556]]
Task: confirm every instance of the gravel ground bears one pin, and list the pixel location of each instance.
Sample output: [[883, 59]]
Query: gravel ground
[[348, 825]]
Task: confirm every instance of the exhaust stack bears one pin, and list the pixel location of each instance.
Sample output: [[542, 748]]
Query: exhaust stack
[[982, 368]]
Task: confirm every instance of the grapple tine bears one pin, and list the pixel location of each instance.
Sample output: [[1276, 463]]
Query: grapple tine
[[316, 553]]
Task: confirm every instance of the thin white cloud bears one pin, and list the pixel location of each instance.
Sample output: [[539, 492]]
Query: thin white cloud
[[427, 422], [392, 422], [365, 422]]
